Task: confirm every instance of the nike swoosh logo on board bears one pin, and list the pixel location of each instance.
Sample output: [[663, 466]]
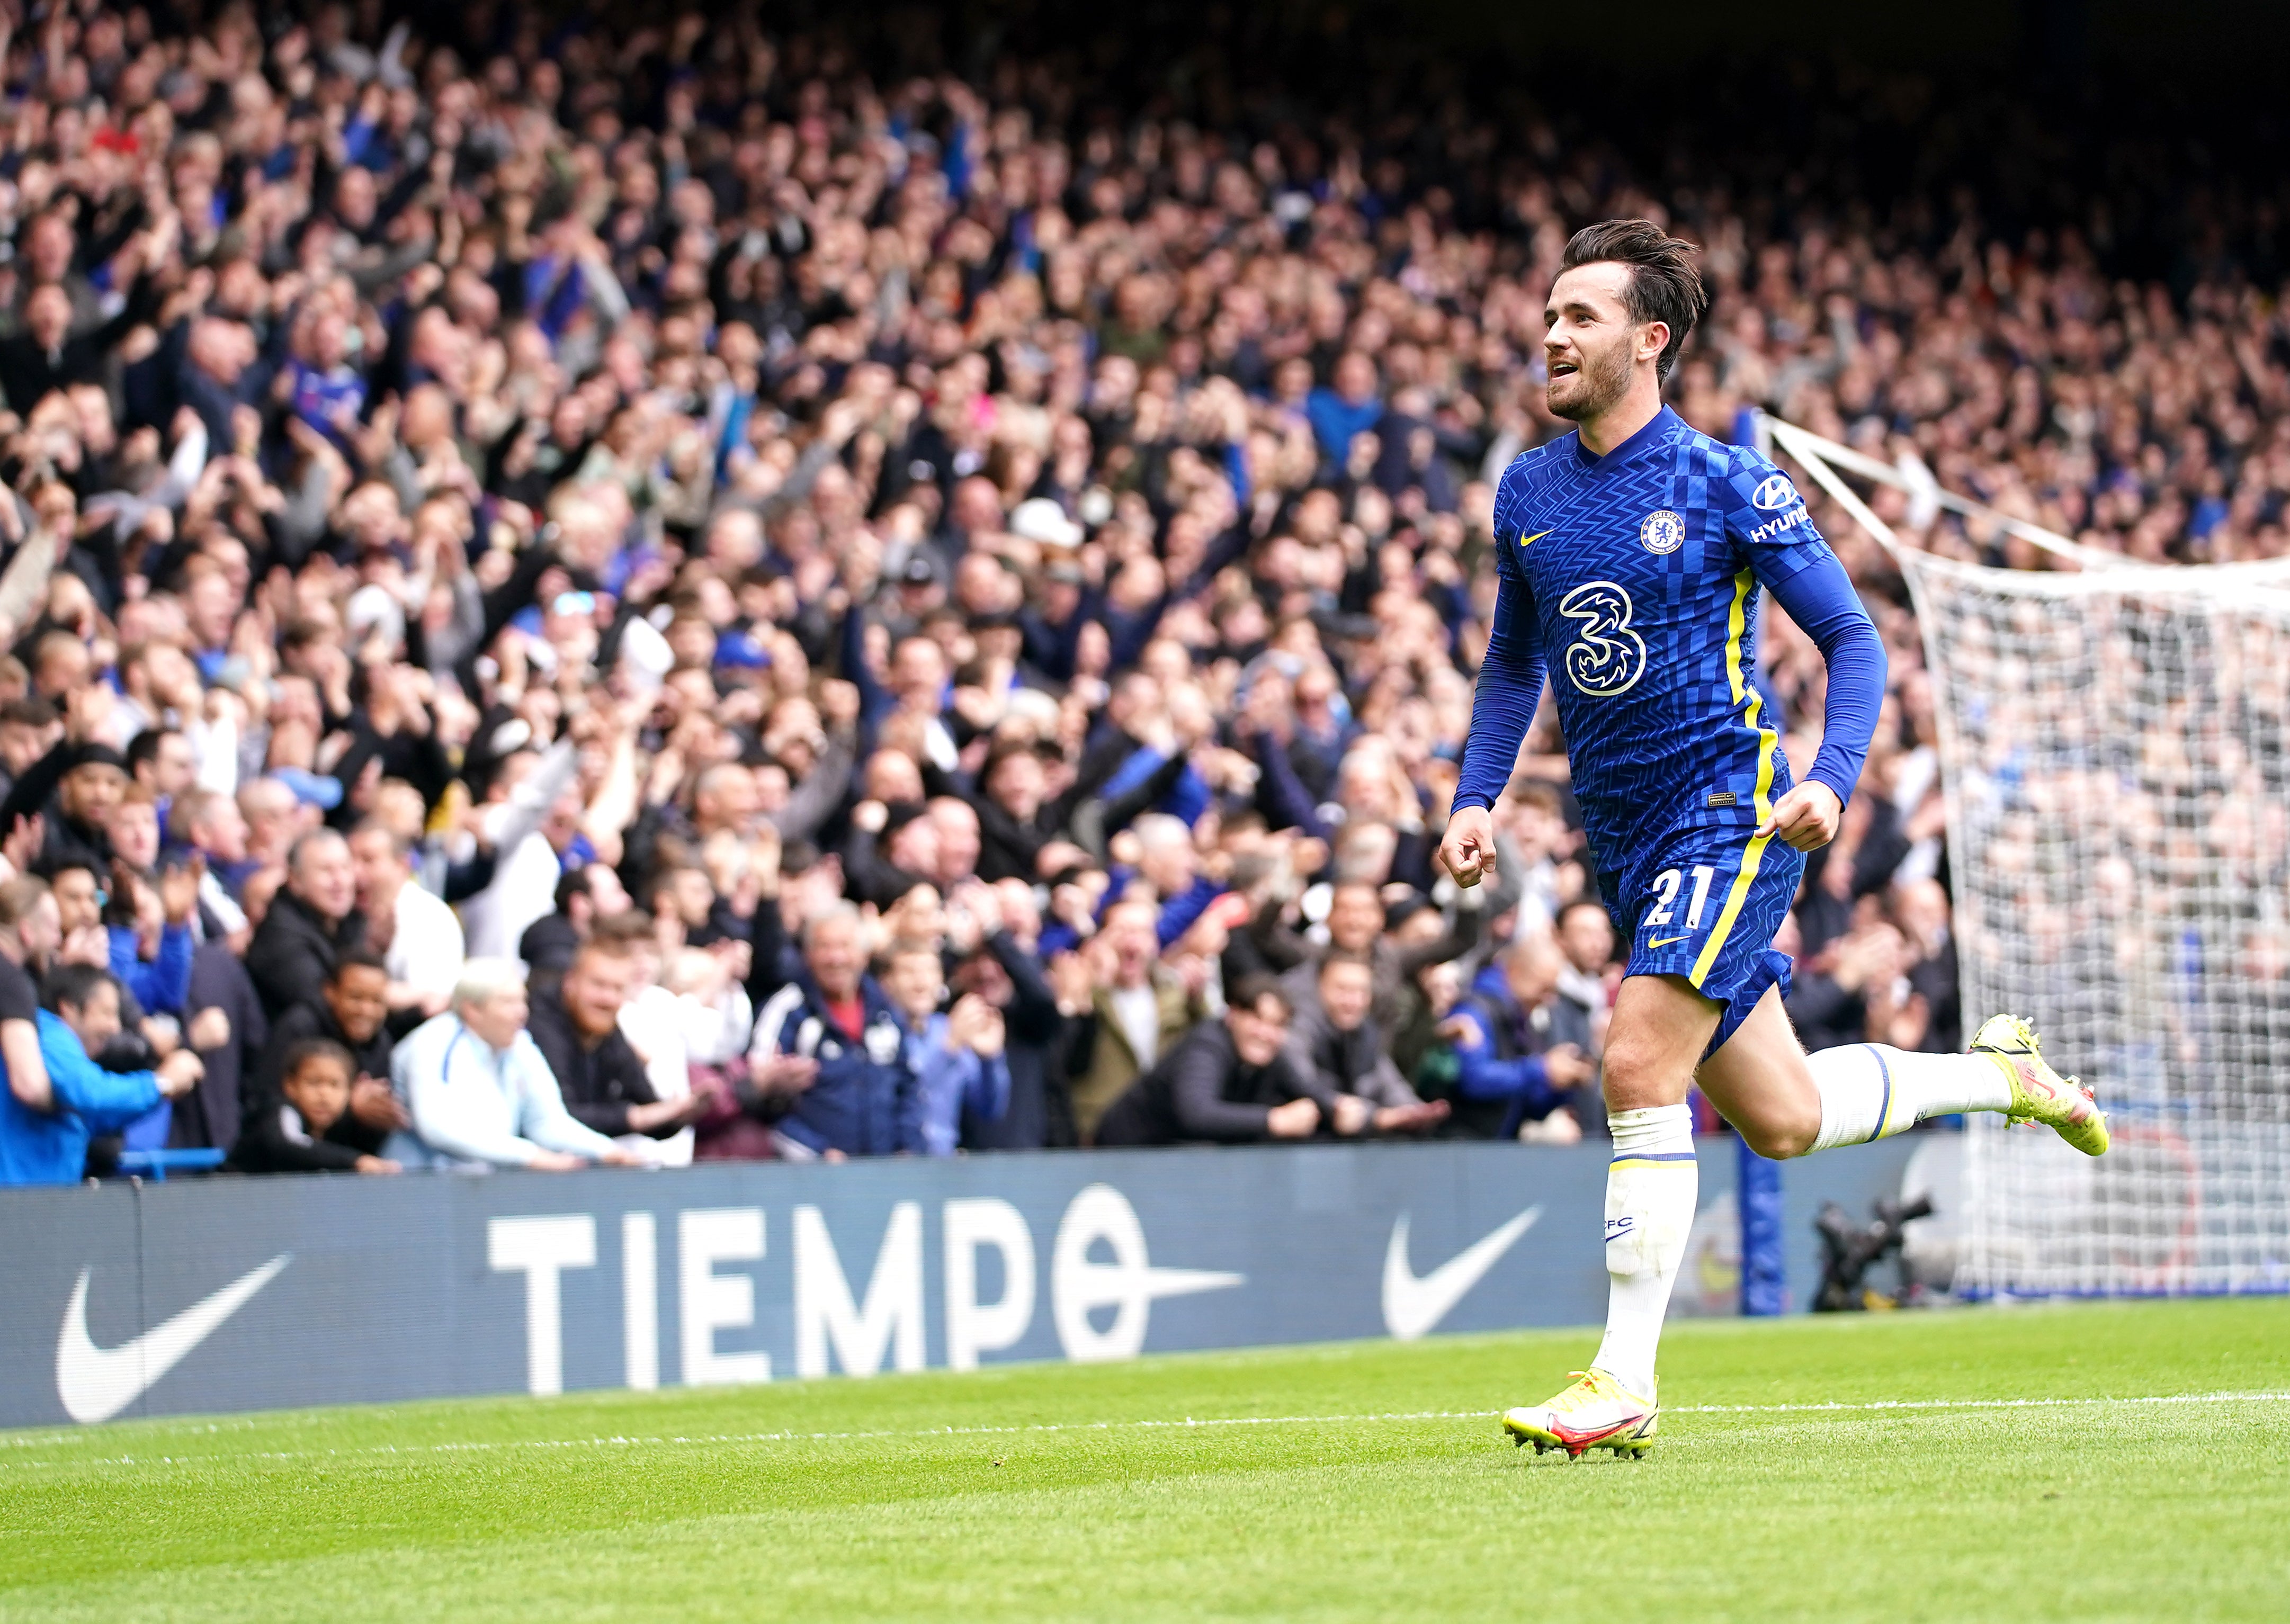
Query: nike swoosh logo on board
[[1663, 941], [96, 1383], [1531, 540], [1414, 1305]]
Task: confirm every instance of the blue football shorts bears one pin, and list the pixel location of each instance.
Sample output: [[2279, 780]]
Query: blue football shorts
[[1705, 904]]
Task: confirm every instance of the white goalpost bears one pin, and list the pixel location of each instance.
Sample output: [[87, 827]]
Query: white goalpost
[[2115, 749]]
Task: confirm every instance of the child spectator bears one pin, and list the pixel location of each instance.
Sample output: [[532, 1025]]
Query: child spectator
[[291, 1136]]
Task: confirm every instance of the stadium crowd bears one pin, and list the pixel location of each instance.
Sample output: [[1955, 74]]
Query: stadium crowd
[[586, 597]]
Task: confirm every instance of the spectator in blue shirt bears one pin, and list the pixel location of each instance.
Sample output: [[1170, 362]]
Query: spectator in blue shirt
[[1510, 1070], [956, 1055], [81, 1016], [1353, 407]]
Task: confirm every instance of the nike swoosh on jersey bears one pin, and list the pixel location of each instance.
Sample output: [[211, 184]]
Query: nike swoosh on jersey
[[1531, 540], [1412, 1305], [1663, 941], [96, 1383]]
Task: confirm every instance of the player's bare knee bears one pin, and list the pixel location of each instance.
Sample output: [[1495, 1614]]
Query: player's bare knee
[[1778, 1137], [1638, 1078]]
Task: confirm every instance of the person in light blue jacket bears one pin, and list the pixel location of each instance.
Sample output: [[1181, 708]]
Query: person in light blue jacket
[[479, 1091], [81, 1015]]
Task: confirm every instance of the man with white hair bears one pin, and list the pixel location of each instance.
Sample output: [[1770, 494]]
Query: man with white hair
[[479, 1091]]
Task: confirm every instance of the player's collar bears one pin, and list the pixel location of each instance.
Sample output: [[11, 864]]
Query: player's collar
[[1657, 427]]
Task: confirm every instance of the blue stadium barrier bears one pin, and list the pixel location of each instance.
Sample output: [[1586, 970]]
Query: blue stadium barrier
[[157, 1165]]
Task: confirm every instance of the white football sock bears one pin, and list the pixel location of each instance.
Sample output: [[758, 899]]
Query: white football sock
[[1651, 1186], [1870, 1091]]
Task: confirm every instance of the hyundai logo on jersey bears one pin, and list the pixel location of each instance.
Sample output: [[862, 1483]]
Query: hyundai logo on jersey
[[1775, 491]]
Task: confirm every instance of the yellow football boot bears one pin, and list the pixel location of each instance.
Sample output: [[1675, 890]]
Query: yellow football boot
[[2039, 1093], [1596, 1413]]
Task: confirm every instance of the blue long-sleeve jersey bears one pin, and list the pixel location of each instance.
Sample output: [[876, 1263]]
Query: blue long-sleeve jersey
[[51, 1146], [1634, 577]]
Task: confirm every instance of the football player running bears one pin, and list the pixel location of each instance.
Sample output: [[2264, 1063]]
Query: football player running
[[1632, 555]]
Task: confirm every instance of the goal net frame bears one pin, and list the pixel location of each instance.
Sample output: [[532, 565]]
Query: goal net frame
[[2101, 726]]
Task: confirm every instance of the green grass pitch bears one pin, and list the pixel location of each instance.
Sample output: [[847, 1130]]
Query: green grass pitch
[[1997, 1464]]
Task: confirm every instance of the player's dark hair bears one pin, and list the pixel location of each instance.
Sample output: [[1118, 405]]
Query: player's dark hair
[[1665, 283]]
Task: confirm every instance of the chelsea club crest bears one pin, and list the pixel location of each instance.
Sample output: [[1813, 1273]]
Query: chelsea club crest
[[1661, 531]]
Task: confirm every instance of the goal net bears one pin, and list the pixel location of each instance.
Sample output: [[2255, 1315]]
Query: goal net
[[2112, 743]]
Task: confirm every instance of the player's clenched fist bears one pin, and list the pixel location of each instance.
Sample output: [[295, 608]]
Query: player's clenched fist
[[1469, 850], [1806, 817]]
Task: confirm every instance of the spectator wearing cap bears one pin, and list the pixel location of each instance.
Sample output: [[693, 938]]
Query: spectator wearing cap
[[313, 919], [480, 1094], [864, 1099], [72, 790]]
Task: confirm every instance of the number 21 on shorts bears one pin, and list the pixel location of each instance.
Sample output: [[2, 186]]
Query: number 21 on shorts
[[1667, 886]]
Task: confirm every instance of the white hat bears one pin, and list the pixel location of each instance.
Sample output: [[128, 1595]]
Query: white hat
[[1039, 519]]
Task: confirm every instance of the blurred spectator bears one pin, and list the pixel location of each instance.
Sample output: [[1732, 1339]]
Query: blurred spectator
[[478, 1091], [80, 1020], [351, 1013], [864, 1098], [417, 935], [960, 1074], [1512, 1068], [1139, 1008], [290, 1135], [309, 921], [31, 930], [1334, 1042], [1227, 1081], [603, 1081]]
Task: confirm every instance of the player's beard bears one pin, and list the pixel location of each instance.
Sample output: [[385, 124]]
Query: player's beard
[[1600, 384]]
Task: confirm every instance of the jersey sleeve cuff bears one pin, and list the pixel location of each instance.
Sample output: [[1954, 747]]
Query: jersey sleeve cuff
[[1470, 797], [1838, 785]]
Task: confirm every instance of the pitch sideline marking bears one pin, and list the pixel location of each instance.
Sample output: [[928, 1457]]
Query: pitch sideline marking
[[624, 1441]]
